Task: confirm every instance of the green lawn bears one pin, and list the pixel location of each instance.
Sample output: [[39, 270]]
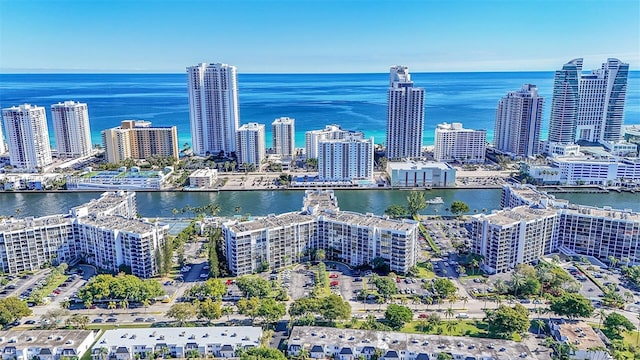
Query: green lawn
[[57, 280], [470, 328]]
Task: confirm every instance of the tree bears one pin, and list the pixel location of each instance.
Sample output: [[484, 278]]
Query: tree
[[615, 324], [167, 256], [396, 211], [459, 207], [332, 307], [304, 306], [505, 320], [249, 307], [12, 309], [444, 288], [571, 305], [253, 286], [209, 310], [386, 286], [270, 310], [212, 288], [182, 312], [261, 353], [444, 356], [416, 202], [215, 236], [398, 315]]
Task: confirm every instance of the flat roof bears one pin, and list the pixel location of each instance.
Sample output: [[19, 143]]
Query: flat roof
[[308, 336], [418, 165], [106, 201], [580, 334], [237, 336], [516, 215], [269, 222], [43, 338], [607, 212], [119, 223], [12, 224]]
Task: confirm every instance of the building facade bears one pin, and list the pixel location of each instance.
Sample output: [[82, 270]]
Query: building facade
[[46, 344], [138, 140], [203, 178], [283, 133], [71, 129], [405, 115], [250, 139], [277, 241], [455, 143], [518, 122], [345, 159], [565, 102], [330, 132], [582, 170], [413, 174], [602, 98], [27, 135], [213, 108]]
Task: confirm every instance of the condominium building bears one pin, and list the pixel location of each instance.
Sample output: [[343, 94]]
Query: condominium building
[[601, 105], [213, 108], [510, 237], [3, 147], [203, 178], [632, 135], [527, 195], [46, 344], [565, 102], [138, 140], [283, 133], [103, 232], [179, 342], [455, 143], [250, 139], [347, 159], [584, 170], [405, 115], [330, 132], [356, 239], [71, 129], [413, 174], [518, 122], [352, 344], [27, 137]]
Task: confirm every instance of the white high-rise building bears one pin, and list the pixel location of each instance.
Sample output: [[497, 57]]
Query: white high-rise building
[[283, 133], [213, 108], [346, 159], [564, 104], [71, 129], [601, 106], [3, 148], [455, 143], [330, 132], [518, 121], [27, 136], [405, 115], [251, 144]]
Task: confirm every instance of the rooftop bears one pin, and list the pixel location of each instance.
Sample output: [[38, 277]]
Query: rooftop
[[516, 215], [44, 338], [12, 224], [322, 199], [309, 336], [120, 223], [237, 336], [605, 212], [409, 165], [580, 334], [107, 201]]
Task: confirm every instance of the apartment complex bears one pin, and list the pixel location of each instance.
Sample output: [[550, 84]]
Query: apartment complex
[[46, 344], [103, 232], [356, 239], [176, 342], [3, 147], [455, 143], [71, 129], [138, 140], [583, 170], [27, 135], [405, 115], [203, 178], [352, 344], [213, 108], [330, 132], [518, 122], [539, 224], [632, 135], [283, 135], [412, 174], [564, 103], [350, 158], [251, 146], [602, 97]]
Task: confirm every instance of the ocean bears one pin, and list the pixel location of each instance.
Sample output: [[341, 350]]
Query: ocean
[[354, 101]]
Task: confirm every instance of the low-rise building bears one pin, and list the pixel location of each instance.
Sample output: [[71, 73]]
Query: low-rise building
[[45, 344], [421, 174], [351, 344], [134, 179], [582, 170], [518, 195], [203, 178], [277, 241], [586, 343], [177, 342]]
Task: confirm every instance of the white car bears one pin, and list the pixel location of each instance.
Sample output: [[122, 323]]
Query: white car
[[204, 276]]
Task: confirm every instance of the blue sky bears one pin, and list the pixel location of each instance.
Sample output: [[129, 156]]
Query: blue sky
[[315, 36]]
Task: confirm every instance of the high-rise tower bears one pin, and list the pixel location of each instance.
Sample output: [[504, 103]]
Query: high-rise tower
[[71, 129], [518, 121], [213, 108], [405, 115], [27, 136], [283, 135], [602, 97], [564, 104], [251, 144]]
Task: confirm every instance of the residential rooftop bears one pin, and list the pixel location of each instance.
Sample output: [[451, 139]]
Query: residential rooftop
[[358, 340], [319, 199], [106, 202], [517, 214], [604, 212], [580, 334], [13, 224], [269, 222], [414, 165], [120, 223], [370, 220], [43, 338]]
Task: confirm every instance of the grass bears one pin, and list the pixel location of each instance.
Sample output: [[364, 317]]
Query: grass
[[427, 237], [424, 273], [471, 328], [56, 280]]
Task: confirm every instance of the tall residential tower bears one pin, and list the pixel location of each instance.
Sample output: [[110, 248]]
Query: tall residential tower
[[137, 139], [251, 144], [71, 129], [213, 108], [27, 137], [405, 115], [518, 121], [564, 104], [283, 134]]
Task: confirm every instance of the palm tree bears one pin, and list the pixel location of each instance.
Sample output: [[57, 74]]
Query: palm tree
[[124, 304], [449, 312], [146, 303], [450, 326], [104, 352], [540, 325], [111, 306], [517, 281], [465, 300]]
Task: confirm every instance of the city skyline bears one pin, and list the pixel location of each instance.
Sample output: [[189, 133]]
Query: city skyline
[[315, 37]]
